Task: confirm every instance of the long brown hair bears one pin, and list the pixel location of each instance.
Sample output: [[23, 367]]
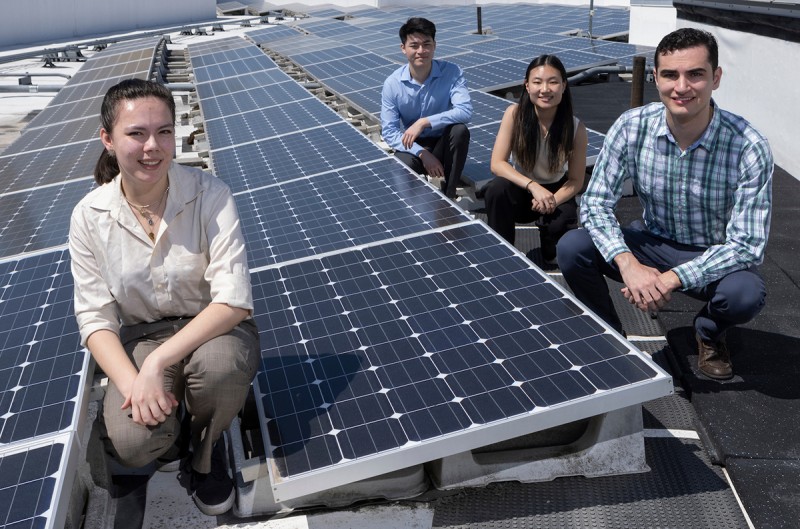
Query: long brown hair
[[107, 167], [525, 138]]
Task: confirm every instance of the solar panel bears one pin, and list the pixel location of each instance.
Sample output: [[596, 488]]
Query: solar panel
[[409, 350], [53, 165], [368, 100], [340, 209], [360, 80], [42, 365], [477, 170], [252, 99], [229, 85], [268, 34], [347, 66], [486, 108], [494, 76], [328, 55], [86, 129], [38, 219], [268, 122], [287, 157], [35, 483]]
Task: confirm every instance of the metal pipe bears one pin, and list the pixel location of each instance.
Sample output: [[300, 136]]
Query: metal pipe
[[30, 88], [587, 74], [180, 87], [480, 21], [35, 74], [637, 82]]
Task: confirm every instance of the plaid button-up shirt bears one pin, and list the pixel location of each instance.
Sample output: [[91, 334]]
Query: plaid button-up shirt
[[716, 194]]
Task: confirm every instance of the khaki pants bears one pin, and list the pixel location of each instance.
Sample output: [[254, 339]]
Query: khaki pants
[[212, 382]]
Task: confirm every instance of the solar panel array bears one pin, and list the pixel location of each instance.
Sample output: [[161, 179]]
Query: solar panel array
[[395, 328], [43, 368]]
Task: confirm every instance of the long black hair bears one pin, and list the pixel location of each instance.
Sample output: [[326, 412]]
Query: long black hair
[[107, 167], [526, 135]]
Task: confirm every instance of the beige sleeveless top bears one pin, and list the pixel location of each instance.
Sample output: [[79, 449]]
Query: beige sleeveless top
[[541, 171]]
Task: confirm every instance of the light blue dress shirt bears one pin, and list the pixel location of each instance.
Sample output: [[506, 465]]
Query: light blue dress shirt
[[443, 98]]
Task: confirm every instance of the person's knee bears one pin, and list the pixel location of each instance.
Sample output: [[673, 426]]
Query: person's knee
[[573, 247], [459, 132], [139, 446], [742, 297], [497, 192]]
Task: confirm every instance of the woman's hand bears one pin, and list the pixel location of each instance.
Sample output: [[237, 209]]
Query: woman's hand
[[149, 402], [543, 200]]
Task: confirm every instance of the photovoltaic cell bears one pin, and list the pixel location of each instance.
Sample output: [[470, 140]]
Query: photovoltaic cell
[[292, 156], [347, 66], [411, 348], [339, 210], [360, 80], [368, 100], [500, 74], [231, 68]]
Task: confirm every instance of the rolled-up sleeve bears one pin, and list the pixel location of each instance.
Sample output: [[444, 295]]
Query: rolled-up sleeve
[[95, 307], [227, 273]]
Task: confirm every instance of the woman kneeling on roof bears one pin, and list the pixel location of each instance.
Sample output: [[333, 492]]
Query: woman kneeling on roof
[[162, 293], [547, 147]]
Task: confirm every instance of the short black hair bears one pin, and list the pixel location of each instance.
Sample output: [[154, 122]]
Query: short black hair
[[417, 25], [684, 38]]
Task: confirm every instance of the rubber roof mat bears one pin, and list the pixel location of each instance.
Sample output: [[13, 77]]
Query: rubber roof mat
[[681, 490], [769, 490], [755, 414]]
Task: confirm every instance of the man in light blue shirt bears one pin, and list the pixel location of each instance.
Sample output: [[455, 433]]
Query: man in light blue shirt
[[704, 178], [425, 105]]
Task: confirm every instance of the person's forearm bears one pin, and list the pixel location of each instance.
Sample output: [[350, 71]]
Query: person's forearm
[[110, 355], [215, 320]]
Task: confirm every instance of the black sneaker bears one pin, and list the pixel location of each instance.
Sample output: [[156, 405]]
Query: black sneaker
[[213, 492]]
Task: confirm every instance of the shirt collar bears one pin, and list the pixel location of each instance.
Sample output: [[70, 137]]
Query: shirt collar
[[707, 140], [436, 71]]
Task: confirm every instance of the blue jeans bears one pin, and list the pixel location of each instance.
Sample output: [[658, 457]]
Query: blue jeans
[[733, 300]]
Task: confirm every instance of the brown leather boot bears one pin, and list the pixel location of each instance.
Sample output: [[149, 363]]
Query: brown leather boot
[[714, 359]]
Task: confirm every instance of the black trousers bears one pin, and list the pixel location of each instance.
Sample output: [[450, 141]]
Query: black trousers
[[450, 148], [508, 204]]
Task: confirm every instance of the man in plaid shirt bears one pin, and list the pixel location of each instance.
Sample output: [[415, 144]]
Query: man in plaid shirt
[[704, 178]]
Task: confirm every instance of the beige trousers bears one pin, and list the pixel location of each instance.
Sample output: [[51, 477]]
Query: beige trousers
[[212, 382]]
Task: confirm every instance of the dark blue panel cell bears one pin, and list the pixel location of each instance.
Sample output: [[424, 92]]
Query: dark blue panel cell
[[518, 343], [537, 364], [316, 452], [348, 413], [434, 421], [594, 349], [496, 405], [480, 379], [371, 438], [617, 372], [558, 388]]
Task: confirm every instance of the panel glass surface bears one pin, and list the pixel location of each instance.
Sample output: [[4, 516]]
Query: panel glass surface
[[339, 210], [253, 99], [29, 485], [42, 365], [420, 341], [87, 129], [268, 122], [38, 219], [230, 85], [292, 156], [33, 169]]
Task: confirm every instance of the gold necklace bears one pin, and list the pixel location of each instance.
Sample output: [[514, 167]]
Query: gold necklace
[[148, 215]]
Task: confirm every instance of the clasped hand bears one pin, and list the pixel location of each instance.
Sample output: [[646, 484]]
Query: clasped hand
[[646, 288], [543, 201], [149, 402]]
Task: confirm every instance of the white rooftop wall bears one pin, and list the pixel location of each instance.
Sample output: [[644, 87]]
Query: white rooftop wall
[[759, 82], [46, 21]]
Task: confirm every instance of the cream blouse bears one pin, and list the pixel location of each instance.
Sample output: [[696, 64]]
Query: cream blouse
[[198, 257]]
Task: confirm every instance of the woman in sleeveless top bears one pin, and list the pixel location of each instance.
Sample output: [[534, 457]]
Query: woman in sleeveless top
[[546, 146]]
